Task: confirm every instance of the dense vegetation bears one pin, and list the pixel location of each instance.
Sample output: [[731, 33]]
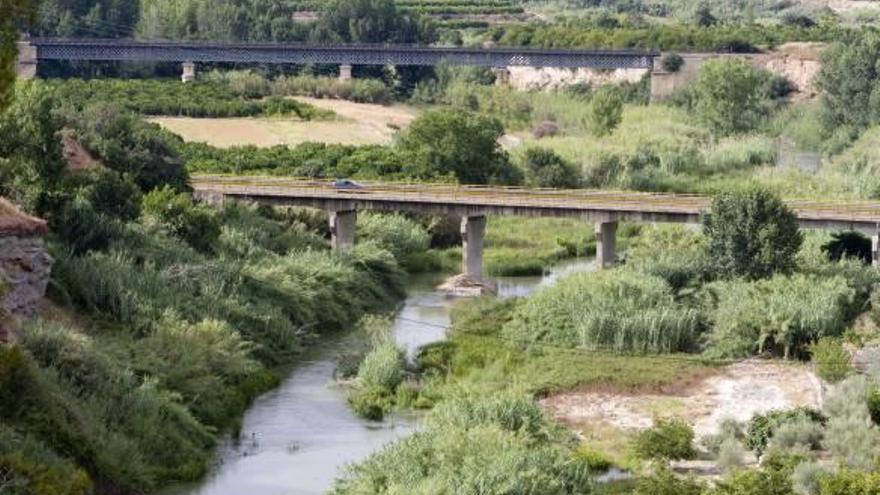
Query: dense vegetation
[[183, 311]]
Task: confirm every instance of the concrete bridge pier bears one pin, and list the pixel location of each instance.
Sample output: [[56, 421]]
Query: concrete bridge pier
[[342, 228], [473, 231], [606, 244], [345, 72], [189, 72], [26, 63], [502, 76]]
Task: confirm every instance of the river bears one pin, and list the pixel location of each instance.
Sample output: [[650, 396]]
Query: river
[[295, 439]]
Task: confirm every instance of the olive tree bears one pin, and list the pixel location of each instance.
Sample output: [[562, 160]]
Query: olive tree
[[751, 234]]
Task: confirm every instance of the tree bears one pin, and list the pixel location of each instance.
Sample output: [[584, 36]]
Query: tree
[[606, 110], [751, 233], [14, 14], [457, 144], [849, 83], [544, 168], [728, 96], [371, 21]]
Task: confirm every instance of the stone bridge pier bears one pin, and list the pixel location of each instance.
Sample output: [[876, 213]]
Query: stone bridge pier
[[189, 72], [26, 63]]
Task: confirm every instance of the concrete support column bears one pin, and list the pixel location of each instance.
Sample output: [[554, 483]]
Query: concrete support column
[[345, 72], [342, 229], [26, 63], [502, 76], [875, 250], [473, 230], [189, 72], [606, 244]]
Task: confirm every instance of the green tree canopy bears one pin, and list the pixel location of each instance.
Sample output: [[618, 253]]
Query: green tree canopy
[[849, 82], [457, 144], [728, 96], [751, 233], [370, 21]]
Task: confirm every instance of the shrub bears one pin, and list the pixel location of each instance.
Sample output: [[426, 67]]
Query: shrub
[[874, 405], [381, 368], [751, 233], [796, 435], [667, 439], [475, 445], [730, 455], [728, 96], [851, 436], [805, 478], [621, 311], [544, 168], [372, 403], [672, 253], [595, 461], [849, 482], [176, 212], [672, 62], [394, 232], [606, 111], [762, 427], [665, 482], [831, 359]]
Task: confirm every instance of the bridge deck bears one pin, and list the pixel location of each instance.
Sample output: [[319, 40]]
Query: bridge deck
[[598, 205]]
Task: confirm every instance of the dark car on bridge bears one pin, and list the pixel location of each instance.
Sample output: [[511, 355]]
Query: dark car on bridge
[[346, 184]]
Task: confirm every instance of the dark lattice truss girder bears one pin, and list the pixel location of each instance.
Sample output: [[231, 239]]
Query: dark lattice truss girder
[[52, 49]]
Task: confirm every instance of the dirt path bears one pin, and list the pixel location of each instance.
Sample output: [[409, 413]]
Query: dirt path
[[357, 123], [741, 390]]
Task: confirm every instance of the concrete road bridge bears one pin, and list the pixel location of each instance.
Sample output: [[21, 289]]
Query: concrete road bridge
[[474, 203], [34, 50]]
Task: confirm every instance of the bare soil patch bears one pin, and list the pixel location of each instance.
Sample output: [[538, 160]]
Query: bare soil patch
[[738, 391], [356, 124]]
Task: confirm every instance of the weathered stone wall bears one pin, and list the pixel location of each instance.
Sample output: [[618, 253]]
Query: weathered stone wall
[[25, 267], [553, 78]]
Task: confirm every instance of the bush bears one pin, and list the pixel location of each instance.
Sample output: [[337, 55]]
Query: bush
[[831, 359], [782, 315], [728, 96], [672, 253], [669, 439], [849, 482], [730, 455], [393, 232], [762, 427], [176, 212], [874, 405], [544, 168], [751, 233], [381, 368], [372, 403], [620, 311], [665, 482], [672, 62], [475, 445], [606, 111]]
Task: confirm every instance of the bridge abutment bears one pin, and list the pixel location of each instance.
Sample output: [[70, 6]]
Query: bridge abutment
[[473, 231], [189, 72], [345, 72], [342, 229], [606, 244], [26, 63]]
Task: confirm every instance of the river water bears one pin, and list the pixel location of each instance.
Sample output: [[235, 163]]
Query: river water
[[295, 439]]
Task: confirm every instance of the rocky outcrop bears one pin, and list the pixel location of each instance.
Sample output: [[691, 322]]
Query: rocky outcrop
[[25, 265], [553, 78]]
